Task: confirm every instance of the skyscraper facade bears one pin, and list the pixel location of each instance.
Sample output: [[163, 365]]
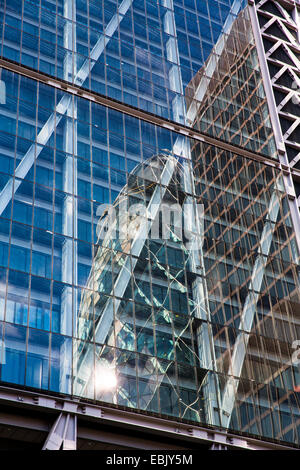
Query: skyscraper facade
[[149, 220]]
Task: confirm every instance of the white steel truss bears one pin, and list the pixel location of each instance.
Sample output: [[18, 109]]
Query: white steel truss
[[281, 35]]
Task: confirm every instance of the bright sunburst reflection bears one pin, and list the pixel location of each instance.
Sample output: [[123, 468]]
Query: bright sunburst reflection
[[105, 378]]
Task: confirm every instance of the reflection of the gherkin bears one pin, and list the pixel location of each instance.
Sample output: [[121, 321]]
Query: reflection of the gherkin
[[152, 326]]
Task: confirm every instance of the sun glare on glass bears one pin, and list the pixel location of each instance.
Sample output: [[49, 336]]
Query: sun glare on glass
[[105, 378]]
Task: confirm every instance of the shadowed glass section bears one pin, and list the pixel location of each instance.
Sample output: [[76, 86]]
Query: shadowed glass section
[[226, 98], [249, 237]]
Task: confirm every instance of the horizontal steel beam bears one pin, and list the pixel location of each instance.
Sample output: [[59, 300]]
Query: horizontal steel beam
[[137, 113], [131, 420]]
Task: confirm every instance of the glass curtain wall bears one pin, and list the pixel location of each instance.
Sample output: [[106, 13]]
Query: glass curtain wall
[[140, 267]]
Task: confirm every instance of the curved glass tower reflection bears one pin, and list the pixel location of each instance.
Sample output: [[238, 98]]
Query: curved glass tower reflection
[[141, 304]]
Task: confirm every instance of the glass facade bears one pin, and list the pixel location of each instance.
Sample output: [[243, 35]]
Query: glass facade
[[226, 98], [140, 266], [143, 53]]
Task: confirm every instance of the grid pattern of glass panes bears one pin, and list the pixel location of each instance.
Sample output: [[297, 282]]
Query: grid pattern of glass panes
[[141, 52], [201, 334], [226, 98]]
